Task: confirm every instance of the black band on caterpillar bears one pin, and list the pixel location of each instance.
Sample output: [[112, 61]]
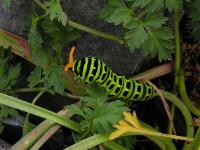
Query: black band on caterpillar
[[93, 70]]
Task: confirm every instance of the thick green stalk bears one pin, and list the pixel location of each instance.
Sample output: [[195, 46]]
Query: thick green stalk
[[185, 98], [45, 137], [177, 63], [196, 143], [26, 141], [186, 114], [89, 142], [177, 50]]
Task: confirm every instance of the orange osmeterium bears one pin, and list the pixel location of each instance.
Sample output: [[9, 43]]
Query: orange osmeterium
[[71, 60]]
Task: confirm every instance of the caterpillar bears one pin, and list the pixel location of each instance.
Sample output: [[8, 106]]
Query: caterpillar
[[92, 70]]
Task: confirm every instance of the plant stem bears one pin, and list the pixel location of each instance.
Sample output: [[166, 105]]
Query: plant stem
[[95, 32], [25, 127], [38, 96], [177, 63], [170, 128], [28, 90], [89, 142], [85, 28], [72, 96], [177, 50], [184, 96], [45, 137], [185, 112], [26, 141], [40, 4]]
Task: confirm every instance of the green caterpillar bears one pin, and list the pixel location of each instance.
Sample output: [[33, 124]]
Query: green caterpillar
[[95, 71]]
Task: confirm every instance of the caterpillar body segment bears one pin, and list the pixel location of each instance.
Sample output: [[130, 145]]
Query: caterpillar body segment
[[92, 70]]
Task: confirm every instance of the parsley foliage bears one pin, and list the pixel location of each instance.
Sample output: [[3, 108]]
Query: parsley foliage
[[155, 5], [144, 24], [98, 115], [195, 19], [116, 12], [34, 37], [51, 78], [55, 11], [8, 74], [59, 35], [8, 77]]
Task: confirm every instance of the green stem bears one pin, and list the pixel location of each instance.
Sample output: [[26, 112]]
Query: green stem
[[96, 32], [170, 128], [85, 28], [196, 143], [113, 146], [45, 137], [177, 63], [186, 114], [40, 4], [177, 50], [184, 96], [22, 90], [38, 96], [26, 141], [89, 142], [25, 127]]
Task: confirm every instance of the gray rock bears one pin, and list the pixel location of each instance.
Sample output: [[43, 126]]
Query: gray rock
[[4, 145], [117, 56], [16, 18]]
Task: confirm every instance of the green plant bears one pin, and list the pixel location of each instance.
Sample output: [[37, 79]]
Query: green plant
[[8, 75], [151, 26], [98, 115]]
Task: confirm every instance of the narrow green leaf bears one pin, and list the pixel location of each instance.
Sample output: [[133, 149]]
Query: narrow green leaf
[[38, 111], [89, 142], [196, 142]]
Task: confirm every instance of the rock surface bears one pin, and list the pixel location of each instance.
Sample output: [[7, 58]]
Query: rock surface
[[16, 18]]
